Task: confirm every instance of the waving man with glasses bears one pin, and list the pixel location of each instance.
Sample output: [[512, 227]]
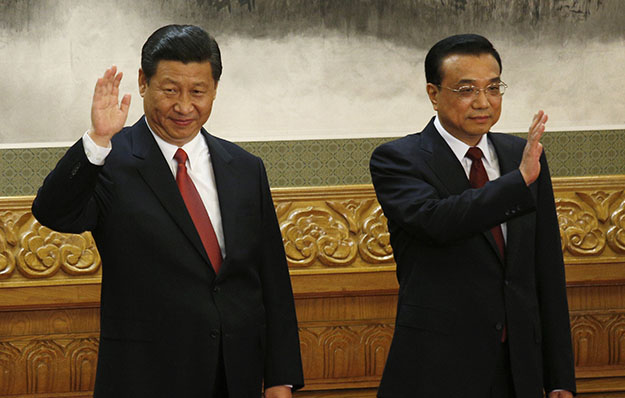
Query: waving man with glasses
[[482, 309]]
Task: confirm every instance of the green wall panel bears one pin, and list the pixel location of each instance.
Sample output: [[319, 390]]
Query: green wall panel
[[339, 162]]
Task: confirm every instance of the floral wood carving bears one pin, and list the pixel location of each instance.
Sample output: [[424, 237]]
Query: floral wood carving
[[8, 241], [616, 233], [352, 210], [375, 243], [311, 233], [579, 229], [600, 202], [43, 251]]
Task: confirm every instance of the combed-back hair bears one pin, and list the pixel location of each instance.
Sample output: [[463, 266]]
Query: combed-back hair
[[184, 43], [465, 44]]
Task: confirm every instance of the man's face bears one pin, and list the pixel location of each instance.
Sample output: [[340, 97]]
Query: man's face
[[467, 118], [178, 99]]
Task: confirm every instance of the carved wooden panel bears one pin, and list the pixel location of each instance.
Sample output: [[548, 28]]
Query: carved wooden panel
[[30, 252], [48, 351]]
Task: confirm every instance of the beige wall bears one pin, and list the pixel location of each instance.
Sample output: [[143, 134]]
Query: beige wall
[[332, 78]]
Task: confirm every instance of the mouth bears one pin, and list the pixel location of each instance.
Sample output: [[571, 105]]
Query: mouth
[[182, 122], [480, 119]]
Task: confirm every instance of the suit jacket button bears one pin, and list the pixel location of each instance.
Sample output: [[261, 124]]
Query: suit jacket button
[[216, 289], [499, 326], [214, 334], [506, 282]]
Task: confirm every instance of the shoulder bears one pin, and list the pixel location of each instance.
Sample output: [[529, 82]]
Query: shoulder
[[510, 140], [406, 144], [232, 153]]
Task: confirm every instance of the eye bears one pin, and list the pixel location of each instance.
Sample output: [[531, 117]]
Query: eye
[[466, 90], [169, 90], [198, 92], [493, 89]]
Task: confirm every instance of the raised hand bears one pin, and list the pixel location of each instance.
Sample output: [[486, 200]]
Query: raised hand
[[530, 163], [108, 115]]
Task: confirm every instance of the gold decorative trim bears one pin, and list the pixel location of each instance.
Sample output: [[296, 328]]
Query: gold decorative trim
[[325, 230]]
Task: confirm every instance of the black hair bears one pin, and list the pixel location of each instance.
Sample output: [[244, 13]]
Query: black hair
[[184, 43], [466, 44]]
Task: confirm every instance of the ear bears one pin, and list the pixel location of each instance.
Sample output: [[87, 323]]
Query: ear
[[433, 90], [143, 83], [215, 92]]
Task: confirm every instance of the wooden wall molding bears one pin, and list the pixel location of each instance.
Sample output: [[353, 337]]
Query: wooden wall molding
[[343, 275]]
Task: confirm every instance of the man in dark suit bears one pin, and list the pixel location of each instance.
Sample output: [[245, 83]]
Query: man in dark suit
[[196, 296], [482, 306]]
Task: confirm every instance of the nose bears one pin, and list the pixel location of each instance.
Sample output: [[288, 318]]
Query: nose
[[184, 105], [481, 101]]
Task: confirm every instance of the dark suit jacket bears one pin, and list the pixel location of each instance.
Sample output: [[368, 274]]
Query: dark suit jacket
[[455, 291], [164, 312]]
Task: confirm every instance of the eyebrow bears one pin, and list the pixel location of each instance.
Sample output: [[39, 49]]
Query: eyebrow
[[471, 81], [168, 80]]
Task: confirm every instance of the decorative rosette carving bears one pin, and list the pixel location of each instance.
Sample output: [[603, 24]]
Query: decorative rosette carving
[[579, 229], [616, 233], [375, 244], [309, 234], [45, 251]]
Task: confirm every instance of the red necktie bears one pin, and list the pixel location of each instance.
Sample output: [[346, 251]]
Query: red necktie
[[478, 178], [197, 210]]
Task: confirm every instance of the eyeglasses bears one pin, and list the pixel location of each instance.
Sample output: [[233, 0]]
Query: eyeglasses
[[471, 92]]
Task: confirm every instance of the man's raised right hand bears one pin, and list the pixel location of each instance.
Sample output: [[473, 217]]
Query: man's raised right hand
[[108, 115]]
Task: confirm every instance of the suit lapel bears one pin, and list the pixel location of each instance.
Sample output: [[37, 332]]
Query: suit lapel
[[442, 161], [157, 175], [228, 181]]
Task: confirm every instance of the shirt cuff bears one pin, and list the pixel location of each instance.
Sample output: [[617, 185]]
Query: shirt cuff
[[95, 153]]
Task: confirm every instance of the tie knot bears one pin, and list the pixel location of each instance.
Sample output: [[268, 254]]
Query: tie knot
[[181, 156], [474, 153]]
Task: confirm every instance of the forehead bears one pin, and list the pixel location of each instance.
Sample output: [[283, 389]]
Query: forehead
[[463, 68], [179, 72]]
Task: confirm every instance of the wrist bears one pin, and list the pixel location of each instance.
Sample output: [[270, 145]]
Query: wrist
[[99, 140]]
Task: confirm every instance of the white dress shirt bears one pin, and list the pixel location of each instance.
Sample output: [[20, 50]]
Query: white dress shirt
[[199, 167], [459, 148]]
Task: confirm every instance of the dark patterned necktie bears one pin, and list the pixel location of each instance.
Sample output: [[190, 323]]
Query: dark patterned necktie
[[197, 211]]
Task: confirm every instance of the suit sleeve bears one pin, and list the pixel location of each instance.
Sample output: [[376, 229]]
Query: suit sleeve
[[559, 372], [73, 194], [412, 197], [283, 364]]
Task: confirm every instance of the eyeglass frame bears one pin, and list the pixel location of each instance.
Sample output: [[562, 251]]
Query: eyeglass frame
[[477, 90]]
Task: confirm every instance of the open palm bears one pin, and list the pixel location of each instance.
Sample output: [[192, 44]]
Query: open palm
[[108, 115]]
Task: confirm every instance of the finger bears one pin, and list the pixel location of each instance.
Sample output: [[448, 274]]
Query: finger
[[532, 129], [125, 104], [118, 79], [109, 77]]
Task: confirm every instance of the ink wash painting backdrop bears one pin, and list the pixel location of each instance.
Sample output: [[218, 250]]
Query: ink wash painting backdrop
[[312, 69]]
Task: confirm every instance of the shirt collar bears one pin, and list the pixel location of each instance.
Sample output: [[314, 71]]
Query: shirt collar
[[459, 148], [193, 148]]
